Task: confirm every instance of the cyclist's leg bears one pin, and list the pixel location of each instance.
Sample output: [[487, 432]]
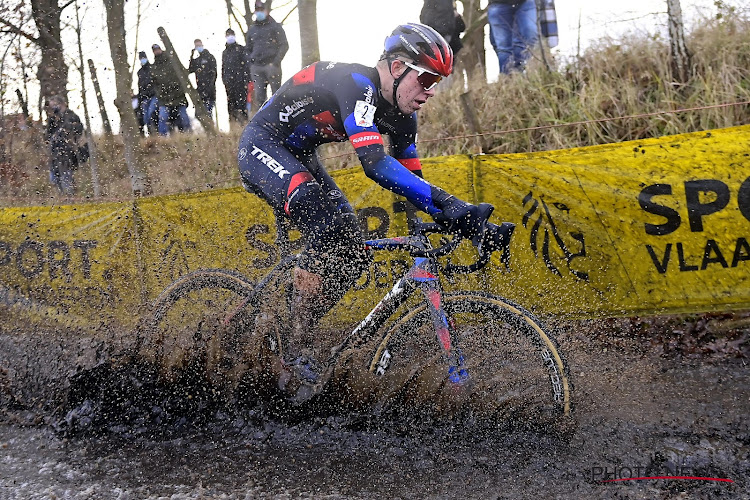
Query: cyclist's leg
[[318, 289], [333, 256]]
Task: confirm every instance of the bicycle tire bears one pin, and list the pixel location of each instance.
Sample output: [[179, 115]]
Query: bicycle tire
[[412, 369], [185, 329]]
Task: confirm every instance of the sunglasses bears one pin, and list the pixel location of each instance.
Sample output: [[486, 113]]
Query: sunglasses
[[426, 78]]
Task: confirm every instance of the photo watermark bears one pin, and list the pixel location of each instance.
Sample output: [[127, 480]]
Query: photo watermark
[[658, 468]]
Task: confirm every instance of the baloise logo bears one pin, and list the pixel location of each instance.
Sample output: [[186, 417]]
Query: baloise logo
[[294, 109]]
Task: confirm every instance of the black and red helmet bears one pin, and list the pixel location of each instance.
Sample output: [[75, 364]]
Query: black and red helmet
[[422, 45]]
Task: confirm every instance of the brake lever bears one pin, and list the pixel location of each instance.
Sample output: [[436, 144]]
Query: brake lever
[[485, 211]]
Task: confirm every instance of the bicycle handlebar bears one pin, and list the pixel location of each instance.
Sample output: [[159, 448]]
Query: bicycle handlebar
[[494, 238], [490, 238]]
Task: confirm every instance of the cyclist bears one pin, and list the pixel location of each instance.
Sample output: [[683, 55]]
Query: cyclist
[[327, 102]]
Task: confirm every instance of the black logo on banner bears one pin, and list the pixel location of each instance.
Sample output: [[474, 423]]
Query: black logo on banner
[[61, 259], [543, 227], [173, 258]]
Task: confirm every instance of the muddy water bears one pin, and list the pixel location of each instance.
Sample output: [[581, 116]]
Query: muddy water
[[639, 413]]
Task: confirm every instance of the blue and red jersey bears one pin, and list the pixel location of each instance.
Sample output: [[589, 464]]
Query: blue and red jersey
[[332, 102]]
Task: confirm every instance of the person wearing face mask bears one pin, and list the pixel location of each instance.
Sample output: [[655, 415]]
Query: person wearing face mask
[[266, 47], [235, 76], [147, 103], [204, 67], [278, 161], [64, 131], [172, 100]]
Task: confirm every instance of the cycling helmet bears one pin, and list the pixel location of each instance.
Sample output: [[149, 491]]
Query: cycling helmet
[[421, 44]]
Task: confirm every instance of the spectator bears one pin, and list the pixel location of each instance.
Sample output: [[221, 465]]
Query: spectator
[[441, 16], [513, 28], [172, 100], [266, 47], [235, 75], [204, 67], [138, 113], [459, 27], [64, 131], [147, 103], [548, 22]]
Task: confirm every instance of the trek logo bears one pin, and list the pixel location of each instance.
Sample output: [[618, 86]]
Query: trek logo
[[269, 161], [294, 109], [383, 363]]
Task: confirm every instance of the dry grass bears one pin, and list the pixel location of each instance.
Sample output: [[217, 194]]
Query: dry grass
[[612, 79]]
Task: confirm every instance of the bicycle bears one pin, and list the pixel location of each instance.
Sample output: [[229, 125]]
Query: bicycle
[[495, 358]]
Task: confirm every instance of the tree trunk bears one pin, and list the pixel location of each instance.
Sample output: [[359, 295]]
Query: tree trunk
[[472, 55], [248, 14], [52, 72], [128, 124], [678, 49], [100, 99], [308, 31], [89, 136]]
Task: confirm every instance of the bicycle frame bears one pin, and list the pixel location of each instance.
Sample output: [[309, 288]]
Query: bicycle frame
[[423, 275]]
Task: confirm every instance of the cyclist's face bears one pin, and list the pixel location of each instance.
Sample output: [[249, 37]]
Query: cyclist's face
[[411, 93]]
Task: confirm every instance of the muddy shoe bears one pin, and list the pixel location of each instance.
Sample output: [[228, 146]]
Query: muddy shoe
[[301, 378], [267, 326]]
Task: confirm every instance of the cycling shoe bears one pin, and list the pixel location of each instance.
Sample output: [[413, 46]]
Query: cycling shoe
[[301, 378]]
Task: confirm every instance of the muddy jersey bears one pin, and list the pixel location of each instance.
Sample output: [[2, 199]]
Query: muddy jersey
[[332, 102]]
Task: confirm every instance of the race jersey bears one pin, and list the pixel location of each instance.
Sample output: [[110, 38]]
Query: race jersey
[[332, 102]]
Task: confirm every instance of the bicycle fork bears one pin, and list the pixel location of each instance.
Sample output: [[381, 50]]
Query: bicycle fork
[[424, 272]]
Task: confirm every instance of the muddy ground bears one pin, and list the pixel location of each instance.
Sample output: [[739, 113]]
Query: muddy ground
[[664, 398]]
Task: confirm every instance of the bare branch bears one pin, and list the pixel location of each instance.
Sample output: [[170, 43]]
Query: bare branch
[[18, 31], [287, 16]]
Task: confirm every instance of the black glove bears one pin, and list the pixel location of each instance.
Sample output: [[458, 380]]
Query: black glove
[[459, 216]]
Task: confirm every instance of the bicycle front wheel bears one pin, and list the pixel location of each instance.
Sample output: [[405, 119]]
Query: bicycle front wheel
[[516, 370]]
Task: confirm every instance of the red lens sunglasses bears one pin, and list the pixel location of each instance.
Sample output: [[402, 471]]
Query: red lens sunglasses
[[426, 78]]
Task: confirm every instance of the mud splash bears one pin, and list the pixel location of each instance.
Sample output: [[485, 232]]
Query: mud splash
[[641, 409]]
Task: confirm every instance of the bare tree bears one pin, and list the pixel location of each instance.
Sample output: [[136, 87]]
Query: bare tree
[[123, 76], [472, 55], [52, 71], [308, 31], [678, 49], [248, 14], [93, 159], [3, 84]]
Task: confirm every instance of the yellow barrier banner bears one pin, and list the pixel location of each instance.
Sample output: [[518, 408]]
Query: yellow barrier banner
[[659, 225], [653, 226]]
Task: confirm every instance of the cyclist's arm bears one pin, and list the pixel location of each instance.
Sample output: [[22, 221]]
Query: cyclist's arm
[[358, 106], [386, 170], [391, 174], [457, 215]]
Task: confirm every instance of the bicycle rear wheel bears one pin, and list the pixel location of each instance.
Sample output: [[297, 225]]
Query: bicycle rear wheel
[[202, 322], [517, 372]]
